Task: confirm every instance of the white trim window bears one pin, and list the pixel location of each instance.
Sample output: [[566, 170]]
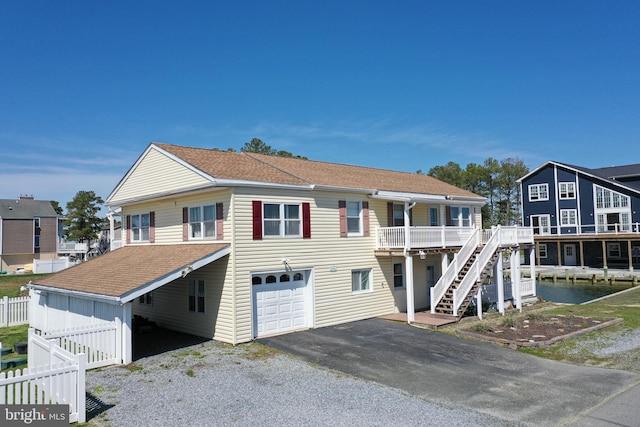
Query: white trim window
[[461, 216], [361, 281], [196, 296], [568, 217], [398, 275], [614, 250], [541, 224], [606, 199], [542, 250], [398, 215], [140, 225], [282, 220], [538, 192], [567, 190], [202, 222], [354, 218], [434, 217]]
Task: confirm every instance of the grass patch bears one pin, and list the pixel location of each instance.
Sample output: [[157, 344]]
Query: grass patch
[[190, 373], [482, 326], [13, 334], [10, 284], [582, 350], [256, 351]]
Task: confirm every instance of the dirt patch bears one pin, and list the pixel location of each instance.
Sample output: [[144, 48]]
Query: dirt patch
[[534, 330]]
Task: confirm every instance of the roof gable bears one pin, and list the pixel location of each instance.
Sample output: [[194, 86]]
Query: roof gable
[[157, 172]]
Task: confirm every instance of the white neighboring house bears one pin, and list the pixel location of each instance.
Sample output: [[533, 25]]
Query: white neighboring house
[[236, 246]]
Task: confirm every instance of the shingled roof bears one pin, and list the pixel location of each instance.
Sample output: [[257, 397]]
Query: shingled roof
[[285, 170], [118, 274], [21, 208]]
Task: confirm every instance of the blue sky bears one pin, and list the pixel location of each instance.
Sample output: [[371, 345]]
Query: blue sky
[[405, 85]]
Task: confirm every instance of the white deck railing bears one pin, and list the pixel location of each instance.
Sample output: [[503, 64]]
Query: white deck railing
[[451, 272], [421, 237], [492, 239], [14, 311], [473, 275]]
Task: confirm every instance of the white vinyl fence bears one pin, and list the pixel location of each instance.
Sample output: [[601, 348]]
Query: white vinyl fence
[[53, 376], [98, 342], [41, 266], [14, 311]]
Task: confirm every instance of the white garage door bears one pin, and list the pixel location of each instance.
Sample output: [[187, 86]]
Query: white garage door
[[280, 302]]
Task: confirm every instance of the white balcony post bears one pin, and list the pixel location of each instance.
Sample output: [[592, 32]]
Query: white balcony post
[[112, 231], [444, 236], [515, 278], [444, 262], [408, 261], [532, 269], [499, 279], [479, 302]]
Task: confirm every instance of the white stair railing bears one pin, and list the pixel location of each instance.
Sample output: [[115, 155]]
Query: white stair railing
[[473, 275], [450, 274]]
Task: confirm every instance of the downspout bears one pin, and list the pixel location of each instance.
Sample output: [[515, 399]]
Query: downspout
[[408, 262]]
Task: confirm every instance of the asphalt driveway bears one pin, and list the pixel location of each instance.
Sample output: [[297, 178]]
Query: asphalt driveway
[[479, 376]]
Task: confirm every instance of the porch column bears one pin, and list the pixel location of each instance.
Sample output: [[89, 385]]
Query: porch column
[[532, 270], [604, 254], [559, 254], [479, 302], [408, 263], [515, 277], [444, 261], [112, 230], [499, 278], [126, 344], [581, 243], [629, 254]]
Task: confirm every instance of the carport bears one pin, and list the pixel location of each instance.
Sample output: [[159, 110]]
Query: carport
[[98, 294]]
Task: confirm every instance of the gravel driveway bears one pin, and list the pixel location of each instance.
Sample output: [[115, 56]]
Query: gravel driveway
[[213, 384]]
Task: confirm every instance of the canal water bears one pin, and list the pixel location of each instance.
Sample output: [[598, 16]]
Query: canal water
[[567, 292]]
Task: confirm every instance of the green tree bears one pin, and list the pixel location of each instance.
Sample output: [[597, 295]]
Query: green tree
[[451, 173], [258, 146], [82, 223], [56, 207], [495, 180]]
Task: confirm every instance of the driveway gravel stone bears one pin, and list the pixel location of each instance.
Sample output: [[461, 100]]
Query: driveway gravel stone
[[213, 384]]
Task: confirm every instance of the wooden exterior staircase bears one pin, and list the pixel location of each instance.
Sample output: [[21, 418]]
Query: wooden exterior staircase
[[446, 305]]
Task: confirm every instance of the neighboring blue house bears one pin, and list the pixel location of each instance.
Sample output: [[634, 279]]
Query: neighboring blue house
[[583, 217]]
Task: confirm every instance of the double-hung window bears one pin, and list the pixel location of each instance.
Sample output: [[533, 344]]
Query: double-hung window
[[567, 190], [398, 275], [196, 295], [398, 215], [202, 222], [282, 220], [433, 217], [354, 217], [542, 250], [460, 216], [568, 217], [361, 280], [613, 250], [140, 227], [538, 192]]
